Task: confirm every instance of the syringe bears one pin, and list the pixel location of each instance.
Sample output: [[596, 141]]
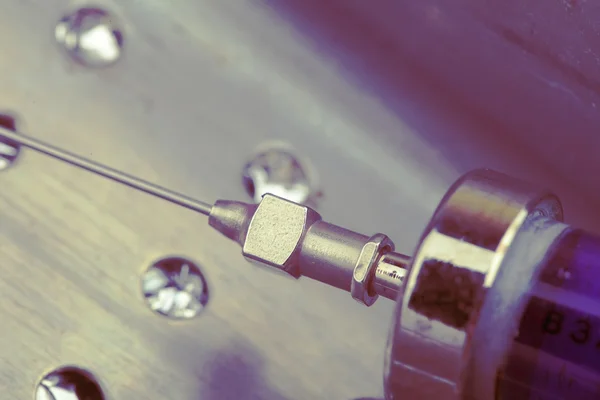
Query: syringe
[[499, 300]]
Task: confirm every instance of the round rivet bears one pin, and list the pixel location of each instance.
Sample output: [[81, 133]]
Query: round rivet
[[69, 383], [175, 287], [9, 150], [277, 170], [91, 36]]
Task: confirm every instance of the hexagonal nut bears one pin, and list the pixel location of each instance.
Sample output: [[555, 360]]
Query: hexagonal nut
[[275, 233], [365, 268]]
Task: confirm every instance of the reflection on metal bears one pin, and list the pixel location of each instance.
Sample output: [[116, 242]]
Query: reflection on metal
[[390, 274], [91, 36], [69, 383], [454, 269], [175, 287], [277, 170], [9, 149]]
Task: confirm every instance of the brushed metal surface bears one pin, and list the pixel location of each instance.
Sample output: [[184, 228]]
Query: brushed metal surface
[[199, 86]]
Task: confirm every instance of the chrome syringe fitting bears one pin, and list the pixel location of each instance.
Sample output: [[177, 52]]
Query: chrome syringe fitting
[[293, 238], [278, 233]]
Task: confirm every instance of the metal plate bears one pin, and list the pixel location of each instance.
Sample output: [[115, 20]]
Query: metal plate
[[200, 85]]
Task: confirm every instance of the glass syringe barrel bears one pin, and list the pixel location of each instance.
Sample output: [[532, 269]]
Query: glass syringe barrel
[[556, 352]]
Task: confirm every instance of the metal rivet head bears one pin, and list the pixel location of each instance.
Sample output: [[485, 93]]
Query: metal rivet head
[[90, 36], [9, 150], [175, 287], [277, 170], [69, 383]]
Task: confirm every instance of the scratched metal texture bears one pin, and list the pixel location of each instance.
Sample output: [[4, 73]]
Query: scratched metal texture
[[391, 102]]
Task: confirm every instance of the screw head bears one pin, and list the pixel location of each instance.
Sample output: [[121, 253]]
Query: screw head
[[91, 36], [9, 150], [69, 383], [175, 287], [277, 170]]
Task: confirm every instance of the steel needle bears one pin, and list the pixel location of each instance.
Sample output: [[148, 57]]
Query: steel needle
[[305, 245], [107, 172]]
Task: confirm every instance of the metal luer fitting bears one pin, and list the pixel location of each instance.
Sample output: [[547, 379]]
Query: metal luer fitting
[[452, 326], [293, 238], [455, 314]]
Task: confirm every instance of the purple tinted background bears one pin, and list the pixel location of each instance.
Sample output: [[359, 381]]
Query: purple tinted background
[[516, 82]]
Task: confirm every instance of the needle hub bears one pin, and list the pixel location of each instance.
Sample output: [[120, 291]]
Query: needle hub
[[293, 238]]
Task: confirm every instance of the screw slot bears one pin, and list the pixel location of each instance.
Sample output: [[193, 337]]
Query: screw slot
[[175, 287], [69, 383], [90, 36]]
